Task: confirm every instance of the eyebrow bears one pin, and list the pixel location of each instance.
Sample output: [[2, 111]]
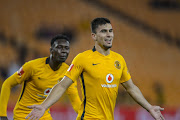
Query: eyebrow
[[106, 29]]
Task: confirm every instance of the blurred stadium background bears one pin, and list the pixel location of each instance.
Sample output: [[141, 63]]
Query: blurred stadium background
[[147, 34]]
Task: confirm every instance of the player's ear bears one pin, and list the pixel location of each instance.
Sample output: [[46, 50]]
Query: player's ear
[[50, 49], [93, 35]]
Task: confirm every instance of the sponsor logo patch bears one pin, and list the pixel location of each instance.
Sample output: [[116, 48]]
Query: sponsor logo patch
[[108, 86], [109, 78], [47, 91], [41, 96]]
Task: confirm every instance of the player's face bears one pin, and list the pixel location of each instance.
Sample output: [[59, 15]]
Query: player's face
[[60, 50], [104, 36]]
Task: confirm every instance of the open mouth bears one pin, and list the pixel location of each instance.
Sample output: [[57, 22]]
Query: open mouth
[[108, 41]]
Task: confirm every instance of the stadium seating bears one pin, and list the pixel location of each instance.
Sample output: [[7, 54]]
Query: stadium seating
[[150, 59]]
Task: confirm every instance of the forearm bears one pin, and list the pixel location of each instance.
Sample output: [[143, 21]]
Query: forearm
[[54, 96], [136, 94], [57, 91]]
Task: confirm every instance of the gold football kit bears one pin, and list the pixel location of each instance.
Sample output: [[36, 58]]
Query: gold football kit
[[38, 79], [100, 77]]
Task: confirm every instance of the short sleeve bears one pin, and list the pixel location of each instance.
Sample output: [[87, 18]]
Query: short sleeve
[[75, 68], [24, 73], [125, 73]]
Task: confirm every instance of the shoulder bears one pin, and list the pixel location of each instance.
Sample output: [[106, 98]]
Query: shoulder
[[117, 55], [36, 62], [65, 65], [82, 58], [84, 54]]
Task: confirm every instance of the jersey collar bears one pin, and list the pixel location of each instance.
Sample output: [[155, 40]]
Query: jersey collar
[[47, 60], [94, 49]]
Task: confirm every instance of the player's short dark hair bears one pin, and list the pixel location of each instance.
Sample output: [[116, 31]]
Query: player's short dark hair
[[98, 21], [59, 37]]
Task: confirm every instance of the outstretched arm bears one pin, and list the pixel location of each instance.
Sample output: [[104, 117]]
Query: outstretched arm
[[4, 97], [57, 91], [136, 94]]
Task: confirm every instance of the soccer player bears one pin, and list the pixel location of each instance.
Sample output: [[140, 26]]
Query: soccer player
[[38, 77], [101, 71]]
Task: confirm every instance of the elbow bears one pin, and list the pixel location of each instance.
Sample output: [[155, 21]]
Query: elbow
[[132, 89], [6, 84], [10, 82]]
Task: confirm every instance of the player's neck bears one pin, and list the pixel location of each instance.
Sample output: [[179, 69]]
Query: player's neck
[[102, 50], [54, 65]]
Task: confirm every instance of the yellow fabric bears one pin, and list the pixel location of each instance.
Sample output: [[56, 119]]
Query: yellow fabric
[[38, 78], [5, 93], [100, 79]]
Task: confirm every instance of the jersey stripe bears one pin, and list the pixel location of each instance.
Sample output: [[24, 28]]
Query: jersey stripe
[[23, 90], [82, 116]]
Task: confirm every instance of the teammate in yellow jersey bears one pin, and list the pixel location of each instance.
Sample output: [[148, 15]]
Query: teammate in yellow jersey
[[101, 71], [38, 77]]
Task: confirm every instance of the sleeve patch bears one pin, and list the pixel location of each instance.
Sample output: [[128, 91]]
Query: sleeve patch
[[20, 71]]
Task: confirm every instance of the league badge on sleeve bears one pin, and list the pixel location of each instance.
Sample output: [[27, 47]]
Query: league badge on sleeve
[[20, 72]]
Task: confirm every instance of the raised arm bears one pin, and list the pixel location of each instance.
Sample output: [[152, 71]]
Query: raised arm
[[57, 91], [136, 94], [4, 97]]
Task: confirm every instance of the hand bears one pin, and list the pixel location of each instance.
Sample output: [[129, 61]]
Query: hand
[[155, 111], [3, 118], [36, 113]]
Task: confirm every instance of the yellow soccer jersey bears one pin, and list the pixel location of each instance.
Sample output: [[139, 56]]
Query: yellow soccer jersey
[[38, 78], [100, 77]]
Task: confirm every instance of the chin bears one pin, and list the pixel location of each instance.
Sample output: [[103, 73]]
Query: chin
[[107, 47], [61, 60]]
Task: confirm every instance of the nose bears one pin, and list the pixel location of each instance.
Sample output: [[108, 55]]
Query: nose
[[63, 50], [109, 34]]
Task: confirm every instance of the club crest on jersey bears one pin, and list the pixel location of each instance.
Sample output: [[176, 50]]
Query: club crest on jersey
[[47, 91], [70, 67], [20, 72], [109, 78], [117, 64]]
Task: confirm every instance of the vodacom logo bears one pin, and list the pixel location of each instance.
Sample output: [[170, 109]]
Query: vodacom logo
[[109, 78], [47, 91]]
